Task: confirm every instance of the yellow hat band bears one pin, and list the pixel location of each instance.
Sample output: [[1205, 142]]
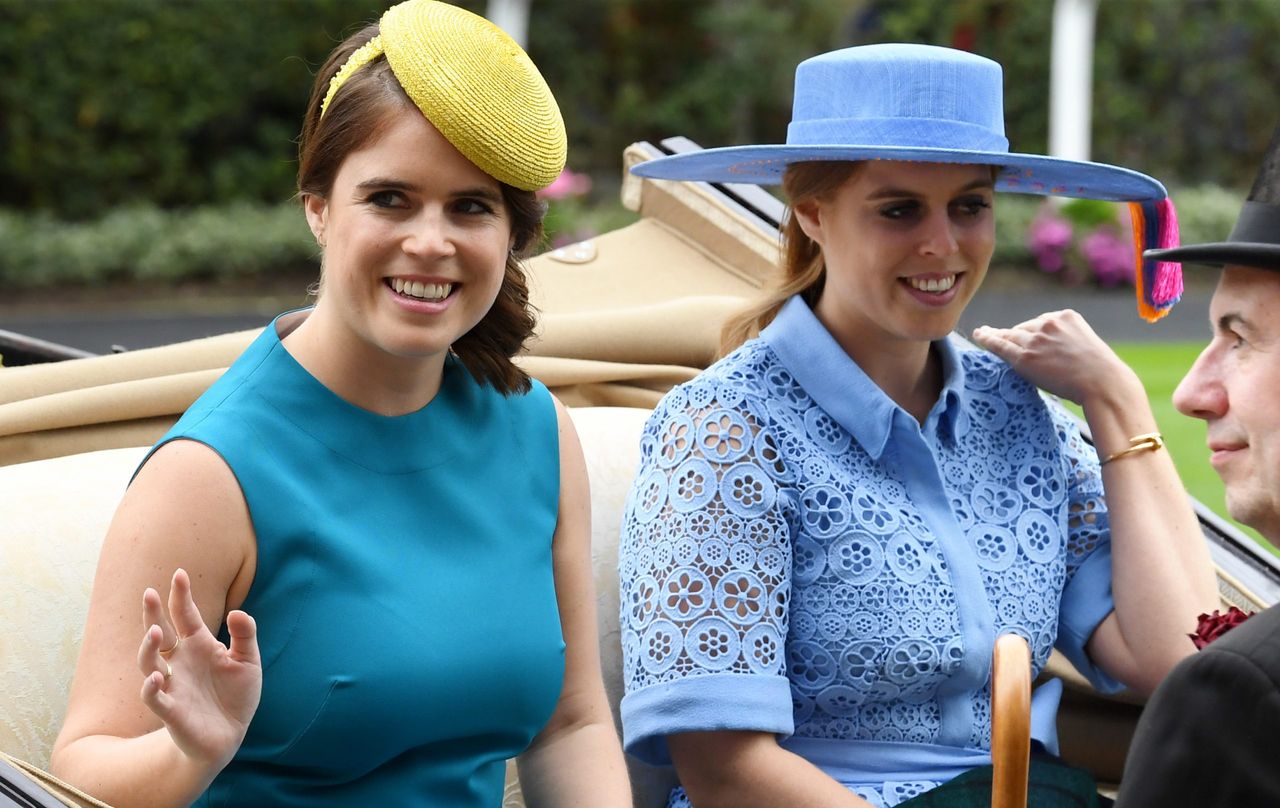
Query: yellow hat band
[[365, 54], [474, 84]]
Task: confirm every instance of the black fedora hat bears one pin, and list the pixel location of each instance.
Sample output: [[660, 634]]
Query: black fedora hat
[[1255, 240]]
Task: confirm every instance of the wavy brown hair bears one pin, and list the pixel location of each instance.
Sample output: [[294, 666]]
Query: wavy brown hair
[[803, 271], [359, 113]]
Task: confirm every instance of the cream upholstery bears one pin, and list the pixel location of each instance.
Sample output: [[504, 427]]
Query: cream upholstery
[[56, 511]]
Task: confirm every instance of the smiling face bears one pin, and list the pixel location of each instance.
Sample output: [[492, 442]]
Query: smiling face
[[906, 245], [1234, 386], [415, 242]]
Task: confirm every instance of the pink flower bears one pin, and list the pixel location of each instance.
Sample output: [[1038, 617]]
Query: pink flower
[[568, 184], [1110, 256], [1049, 238]]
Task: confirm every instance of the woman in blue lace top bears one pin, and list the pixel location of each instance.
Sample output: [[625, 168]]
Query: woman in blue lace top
[[831, 525]]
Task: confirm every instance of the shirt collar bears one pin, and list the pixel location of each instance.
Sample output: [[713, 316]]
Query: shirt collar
[[841, 388]]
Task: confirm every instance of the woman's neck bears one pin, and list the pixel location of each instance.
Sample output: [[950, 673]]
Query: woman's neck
[[909, 371], [355, 370]]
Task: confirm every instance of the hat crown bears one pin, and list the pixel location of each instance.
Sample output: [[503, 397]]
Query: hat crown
[[897, 95], [1266, 186]]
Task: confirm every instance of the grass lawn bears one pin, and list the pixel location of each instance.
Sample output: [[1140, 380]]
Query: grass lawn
[[1161, 366]]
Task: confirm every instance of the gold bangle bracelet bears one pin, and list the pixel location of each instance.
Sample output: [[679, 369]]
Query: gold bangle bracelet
[[1146, 442]]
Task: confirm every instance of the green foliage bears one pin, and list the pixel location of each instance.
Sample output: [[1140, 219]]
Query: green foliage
[[1206, 213], [1089, 213], [1182, 89], [147, 244], [1014, 214], [179, 103], [176, 102], [576, 219]]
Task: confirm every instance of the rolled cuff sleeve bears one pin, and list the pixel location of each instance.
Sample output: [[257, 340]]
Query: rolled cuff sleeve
[[728, 701], [1086, 602]]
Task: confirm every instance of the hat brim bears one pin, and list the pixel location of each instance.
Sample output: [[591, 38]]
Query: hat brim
[[1020, 173], [1237, 253]]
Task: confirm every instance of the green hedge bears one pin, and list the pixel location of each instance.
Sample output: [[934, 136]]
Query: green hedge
[[147, 244], [252, 241], [1205, 213]]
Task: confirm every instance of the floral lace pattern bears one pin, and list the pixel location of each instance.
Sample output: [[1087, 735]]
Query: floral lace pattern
[[761, 538]]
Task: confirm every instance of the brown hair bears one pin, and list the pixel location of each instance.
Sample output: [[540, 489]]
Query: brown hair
[[803, 270], [359, 113]]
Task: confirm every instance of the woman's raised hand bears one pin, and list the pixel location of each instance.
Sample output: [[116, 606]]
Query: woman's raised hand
[[1059, 353], [203, 691]]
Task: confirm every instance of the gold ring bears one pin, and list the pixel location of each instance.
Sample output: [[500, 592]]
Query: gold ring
[[167, 651], [168, 671]]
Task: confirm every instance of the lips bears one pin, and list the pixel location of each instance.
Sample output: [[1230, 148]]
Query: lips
[[1221, 452]]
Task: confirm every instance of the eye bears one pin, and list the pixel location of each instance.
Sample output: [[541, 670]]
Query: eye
[[898, 211], [386, 199], [473, 207], [971, 206]]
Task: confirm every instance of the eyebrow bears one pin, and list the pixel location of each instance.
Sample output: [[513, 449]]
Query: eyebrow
[[900, 193], [389, 184], [384, 183], [1233, 321]]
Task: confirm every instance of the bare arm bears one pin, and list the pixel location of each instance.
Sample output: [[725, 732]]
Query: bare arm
[[576, 760], [134, 736], [749, 770], [1162, 576]]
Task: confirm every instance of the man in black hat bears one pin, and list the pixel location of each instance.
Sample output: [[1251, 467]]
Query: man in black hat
[[1208, 734]]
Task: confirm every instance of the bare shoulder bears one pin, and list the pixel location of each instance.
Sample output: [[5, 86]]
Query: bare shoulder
[[185, 508], [571, 459], [575, 493]]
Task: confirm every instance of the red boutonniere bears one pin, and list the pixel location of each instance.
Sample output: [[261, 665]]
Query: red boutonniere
[[1213, 626]]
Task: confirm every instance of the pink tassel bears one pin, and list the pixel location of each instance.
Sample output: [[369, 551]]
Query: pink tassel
[[1167, 286]]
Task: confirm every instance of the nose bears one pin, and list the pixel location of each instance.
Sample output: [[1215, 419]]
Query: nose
[[428, 235], [1201, 393], [938, 238]]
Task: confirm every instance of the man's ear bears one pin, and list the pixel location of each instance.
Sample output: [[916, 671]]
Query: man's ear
[[316, 208], [809, 216]]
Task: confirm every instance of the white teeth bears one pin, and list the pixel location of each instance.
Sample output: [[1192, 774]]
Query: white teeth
[[420, 290], [932, 284]]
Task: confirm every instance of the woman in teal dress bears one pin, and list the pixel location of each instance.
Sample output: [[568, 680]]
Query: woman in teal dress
[[399, 507]]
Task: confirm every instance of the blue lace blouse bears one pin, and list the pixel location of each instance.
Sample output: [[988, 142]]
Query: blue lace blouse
[[800, 556]]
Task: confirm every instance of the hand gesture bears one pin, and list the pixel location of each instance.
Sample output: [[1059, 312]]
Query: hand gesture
[[1059, 353], [203, 691]]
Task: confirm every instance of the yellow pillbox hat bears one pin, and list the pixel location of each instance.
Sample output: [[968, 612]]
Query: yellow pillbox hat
[[475, 85]]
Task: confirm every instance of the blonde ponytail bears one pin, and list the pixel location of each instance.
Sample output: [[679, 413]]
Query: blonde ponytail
[[803, 270]]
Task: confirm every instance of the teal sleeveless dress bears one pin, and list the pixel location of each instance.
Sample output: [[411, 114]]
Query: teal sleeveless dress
[[404, 595]]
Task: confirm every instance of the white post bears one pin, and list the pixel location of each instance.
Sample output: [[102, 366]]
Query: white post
[[511, 16], [1071, 78]]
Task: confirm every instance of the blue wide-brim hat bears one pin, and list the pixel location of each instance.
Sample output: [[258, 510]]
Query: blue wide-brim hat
[[918, 103], [924, 103]]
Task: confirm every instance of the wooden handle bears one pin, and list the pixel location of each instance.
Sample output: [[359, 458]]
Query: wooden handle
[[1010, 722]]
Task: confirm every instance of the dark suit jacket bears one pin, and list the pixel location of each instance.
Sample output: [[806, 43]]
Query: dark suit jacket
[[1210, 734]]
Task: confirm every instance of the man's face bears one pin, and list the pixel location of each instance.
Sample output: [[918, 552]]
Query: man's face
[[1234, 386]]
